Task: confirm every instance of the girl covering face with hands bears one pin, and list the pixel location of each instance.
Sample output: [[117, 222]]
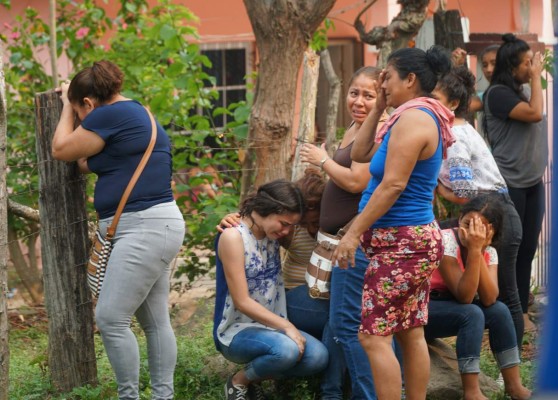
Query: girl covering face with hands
[[463, 298]]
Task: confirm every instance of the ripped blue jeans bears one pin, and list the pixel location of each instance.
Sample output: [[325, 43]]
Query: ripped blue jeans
[[467, 321]]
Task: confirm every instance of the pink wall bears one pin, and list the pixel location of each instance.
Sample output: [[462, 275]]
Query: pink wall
[[499, 16], [226, 20]]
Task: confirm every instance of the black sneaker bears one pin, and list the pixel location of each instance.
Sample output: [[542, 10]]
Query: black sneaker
[[256, 392], [235, 392]]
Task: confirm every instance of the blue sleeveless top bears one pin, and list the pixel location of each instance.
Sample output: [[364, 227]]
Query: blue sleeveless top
[[414, 205]]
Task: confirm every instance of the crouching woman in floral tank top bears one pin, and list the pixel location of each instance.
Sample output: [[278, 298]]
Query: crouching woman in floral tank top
[[250, 323]]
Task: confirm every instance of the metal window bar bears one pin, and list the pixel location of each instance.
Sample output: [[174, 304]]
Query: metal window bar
[[541, 262]]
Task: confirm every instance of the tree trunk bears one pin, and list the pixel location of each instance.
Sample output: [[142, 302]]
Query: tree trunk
[[26, 269], [333, 102], [399, 33], [307, 120], [4, 347], [65, 244], [283, 29]]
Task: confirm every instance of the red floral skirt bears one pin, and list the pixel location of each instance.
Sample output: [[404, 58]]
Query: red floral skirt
[[397, 281]]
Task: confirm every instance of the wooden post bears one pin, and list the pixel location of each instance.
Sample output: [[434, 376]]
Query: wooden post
[[4, 347], [333, 102], [64, 246], [52, 42], [448, 31], [307, 124]]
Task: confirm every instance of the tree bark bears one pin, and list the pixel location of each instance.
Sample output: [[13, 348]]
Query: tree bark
[[283, 29], [65, 245], [333, 102], [307, 120], [399, 33], [23, 211], [4, 346]]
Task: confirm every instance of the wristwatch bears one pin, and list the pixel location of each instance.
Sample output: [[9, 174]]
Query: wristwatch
[[323, 161]]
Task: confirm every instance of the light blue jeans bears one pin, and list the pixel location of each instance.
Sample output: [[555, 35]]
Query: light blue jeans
[[137, 283], [271, 354], [344, 320], [311, 316]]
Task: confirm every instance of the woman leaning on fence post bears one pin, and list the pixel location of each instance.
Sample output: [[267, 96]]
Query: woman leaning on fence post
[[112, 138]]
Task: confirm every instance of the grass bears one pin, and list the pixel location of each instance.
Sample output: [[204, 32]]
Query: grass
[[527, 369], [200, 371]]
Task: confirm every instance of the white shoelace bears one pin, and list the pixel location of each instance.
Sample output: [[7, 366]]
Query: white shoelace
[[241, 391]]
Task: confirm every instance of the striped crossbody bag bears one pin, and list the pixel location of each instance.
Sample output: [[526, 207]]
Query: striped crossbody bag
[[102, 245]]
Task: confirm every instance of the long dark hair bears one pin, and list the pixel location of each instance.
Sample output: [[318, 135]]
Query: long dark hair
[[458, 84], [276, 197], [491, 207], [102, 81], [508, 57], [428, 66]]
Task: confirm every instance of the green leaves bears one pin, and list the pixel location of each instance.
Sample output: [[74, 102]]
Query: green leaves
[[163, 67], [319, 40], [548, 66]]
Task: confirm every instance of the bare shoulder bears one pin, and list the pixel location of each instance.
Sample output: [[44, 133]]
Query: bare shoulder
[[230, 235], [230, 242], [415, 125], [417, 118]]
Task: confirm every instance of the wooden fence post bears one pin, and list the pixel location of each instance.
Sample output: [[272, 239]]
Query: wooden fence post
[[64, 246], [333, 102], [307, 124]]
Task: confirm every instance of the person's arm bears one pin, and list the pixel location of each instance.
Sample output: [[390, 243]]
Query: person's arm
[[475, 104], [458, 172], [353, 179], [412, 133], [231, 253], [488, 282], [228, 221], [464, 285], [449, 195], [69, 144], [458, 56], [82, 166], [531, 111], [365, 146]]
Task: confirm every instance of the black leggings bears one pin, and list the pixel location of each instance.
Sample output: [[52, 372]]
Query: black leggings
[[529, 203], [508, 247]]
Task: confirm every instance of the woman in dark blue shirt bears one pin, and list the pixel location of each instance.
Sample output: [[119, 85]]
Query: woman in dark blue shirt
[[111, 140]]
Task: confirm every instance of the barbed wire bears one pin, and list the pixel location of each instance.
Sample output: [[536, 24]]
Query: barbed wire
[[219, 131]]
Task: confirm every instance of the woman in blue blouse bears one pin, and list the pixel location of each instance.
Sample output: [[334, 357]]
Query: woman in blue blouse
[[111, 140]]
